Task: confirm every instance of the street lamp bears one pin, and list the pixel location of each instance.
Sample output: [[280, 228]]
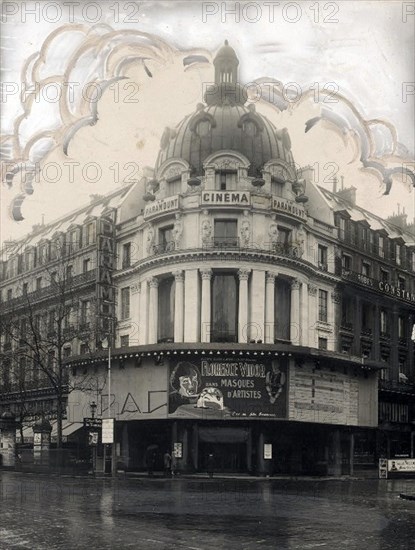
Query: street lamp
[[93, 407]]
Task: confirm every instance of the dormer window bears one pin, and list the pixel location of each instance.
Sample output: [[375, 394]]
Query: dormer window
[[398, 254], [381, 247], [203, 128], [226, 180], [90, 233], [174, 186], [277, 187], [250, 128]]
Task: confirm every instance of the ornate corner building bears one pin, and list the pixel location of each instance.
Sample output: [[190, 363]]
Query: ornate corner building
[[248, 310]]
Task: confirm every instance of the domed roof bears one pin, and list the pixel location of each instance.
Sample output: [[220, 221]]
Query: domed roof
[[225, 126], [225, 123], [227, 52]]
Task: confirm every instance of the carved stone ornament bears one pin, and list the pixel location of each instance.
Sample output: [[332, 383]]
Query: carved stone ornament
[[273, 232], [178, 276], [243, 274], [173, 172], [207, 231], [295, 284], [135, 288], [312, 290], [150, 239], [177, 232], [153, 282], [245, 232], [206, 273]]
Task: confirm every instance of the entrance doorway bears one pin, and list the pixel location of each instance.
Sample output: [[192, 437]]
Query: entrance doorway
[[228, 457], [228, 444]]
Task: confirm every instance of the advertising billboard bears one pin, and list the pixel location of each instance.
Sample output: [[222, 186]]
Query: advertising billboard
[[212, 388]]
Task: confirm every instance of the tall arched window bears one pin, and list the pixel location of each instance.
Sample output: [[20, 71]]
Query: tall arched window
[[224, 307], [166, 291], [282, 308]]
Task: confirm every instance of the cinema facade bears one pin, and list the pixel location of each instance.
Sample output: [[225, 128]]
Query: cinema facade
[[234, 332]]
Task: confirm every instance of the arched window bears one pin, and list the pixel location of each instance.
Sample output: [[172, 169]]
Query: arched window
[[250, 128], [277, 187], [282, 309], [224, 307], [203, 128], [166, 292]]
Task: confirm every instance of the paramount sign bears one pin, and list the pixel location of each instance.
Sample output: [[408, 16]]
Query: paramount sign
[[288, 207], [231, 198], [162, 205]]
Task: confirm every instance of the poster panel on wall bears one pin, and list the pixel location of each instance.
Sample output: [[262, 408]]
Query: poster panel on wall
[[228, 388]]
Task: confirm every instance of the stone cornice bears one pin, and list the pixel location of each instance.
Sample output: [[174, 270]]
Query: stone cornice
[[246, 255]]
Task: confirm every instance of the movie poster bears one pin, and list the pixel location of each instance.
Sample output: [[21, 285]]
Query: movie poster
[[214, 388]]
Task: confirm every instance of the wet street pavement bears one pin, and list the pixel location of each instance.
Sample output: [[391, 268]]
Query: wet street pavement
[[201, 514]]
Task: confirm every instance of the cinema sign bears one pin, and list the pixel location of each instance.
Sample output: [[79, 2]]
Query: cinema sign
[[227, 198]]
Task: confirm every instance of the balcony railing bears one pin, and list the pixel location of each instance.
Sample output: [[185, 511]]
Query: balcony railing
[[225, 242], [393, 385], [163, 248], [47, 291], [233, 243]]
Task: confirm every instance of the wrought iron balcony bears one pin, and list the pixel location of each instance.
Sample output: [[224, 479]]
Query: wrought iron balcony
[[225, 242], [393, 385], [51, 290], [163, 248]]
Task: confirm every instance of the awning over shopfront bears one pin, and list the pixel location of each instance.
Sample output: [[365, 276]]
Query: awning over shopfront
[[68, 428]]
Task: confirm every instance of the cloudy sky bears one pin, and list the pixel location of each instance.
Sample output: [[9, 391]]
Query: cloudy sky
[[361, 53]]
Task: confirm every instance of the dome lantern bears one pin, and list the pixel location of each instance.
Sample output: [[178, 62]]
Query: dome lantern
[[226, 65]]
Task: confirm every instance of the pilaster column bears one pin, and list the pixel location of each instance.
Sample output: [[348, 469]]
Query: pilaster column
[[153, 310], [333, 315], [357, 327], [269, 307], [144, 312], [178, 306], [136, 336], [304, 314], [394, 356], [295, 329], [243, 305], [312, 315], [205, 320]]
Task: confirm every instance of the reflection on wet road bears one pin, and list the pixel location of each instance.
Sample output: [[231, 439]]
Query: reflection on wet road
[[197, 514]]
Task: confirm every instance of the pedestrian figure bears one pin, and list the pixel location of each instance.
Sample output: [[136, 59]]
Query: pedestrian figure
[[151, 461], [210, 464], [167, 464]]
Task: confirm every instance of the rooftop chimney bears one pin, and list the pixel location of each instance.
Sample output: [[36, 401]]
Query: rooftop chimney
[[348, 194], [399, 219]]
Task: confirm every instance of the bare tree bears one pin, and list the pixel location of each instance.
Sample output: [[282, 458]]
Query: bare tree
[[40, 326]]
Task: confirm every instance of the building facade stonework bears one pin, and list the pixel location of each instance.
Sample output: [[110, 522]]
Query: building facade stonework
[[240, 326]]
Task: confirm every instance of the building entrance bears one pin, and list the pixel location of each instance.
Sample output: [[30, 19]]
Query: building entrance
[[228, 444], [227, 457]]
